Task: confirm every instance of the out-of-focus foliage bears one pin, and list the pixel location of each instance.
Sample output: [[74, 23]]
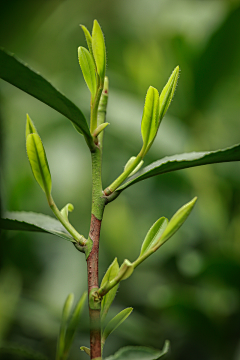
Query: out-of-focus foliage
[[189, 291]]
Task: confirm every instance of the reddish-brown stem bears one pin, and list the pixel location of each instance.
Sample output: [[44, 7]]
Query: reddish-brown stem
[[92, 266]]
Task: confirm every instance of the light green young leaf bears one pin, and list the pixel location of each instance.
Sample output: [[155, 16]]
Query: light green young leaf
[[125, 270], [149, 125], [129, 163], [38, 162], [30, 128], [86, 349], [115, 322], [154, 234], [100, 128], [63, 327], [73, 323], [66, 209], [107, 300], [139, 353], [88, 69], [99, 51], [88, 38], [168, 92], [177, 220]]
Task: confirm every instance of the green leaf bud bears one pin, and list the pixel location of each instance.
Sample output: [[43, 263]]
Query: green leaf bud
[[125, 270], [129, 163], [153, 235], [66, 209], [99, 51], [88, 69], [168, 92], [88, 38]]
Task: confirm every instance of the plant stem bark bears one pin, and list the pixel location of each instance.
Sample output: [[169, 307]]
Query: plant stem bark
[[98, 204]]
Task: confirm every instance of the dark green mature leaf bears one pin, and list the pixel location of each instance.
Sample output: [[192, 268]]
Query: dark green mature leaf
[[20, 75], [184, 161], [30, 221], [139, 353], [22, 352]]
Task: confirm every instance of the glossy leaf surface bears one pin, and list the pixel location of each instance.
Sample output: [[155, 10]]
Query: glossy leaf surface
[[20, 75], [88, 69], [99, 51], [115, 322], [184, 161], [30, 221], [38, 161], [154, 234], [139, 353], [107, 300]]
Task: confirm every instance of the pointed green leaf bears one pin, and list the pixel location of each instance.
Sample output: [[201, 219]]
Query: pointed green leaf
[[125, 270], [115, 322], [99, 51], [86, 349], [168, 92], [74, 323], [38, 162], [129, 163], [154, 234], [63, 327], [88, 38], [107, 300], [139, 353], [184, 161], [20, 75], [88, 69], [100, 128], [149, 125], [177, 220], [30, 128], [66, 209], [30, 221]]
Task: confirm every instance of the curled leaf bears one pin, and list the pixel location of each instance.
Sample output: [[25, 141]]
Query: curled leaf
[[177, 220], [99, 51], [86, 349], [125, 270], [66, 209], [88, 69], [107, 300], [168, 92], [153, 235], [38, 162]]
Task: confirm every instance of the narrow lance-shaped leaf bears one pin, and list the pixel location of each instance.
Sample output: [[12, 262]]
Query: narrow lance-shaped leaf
[[139, 353], [74, 323], [88, 38], [153, 235], [115, 322], [149, 125], [177, 220], [30, 128], [63, 327], [38, 162], [20, 75], [168, 92], [99, 51], [88, 69], [107, 300], [184, 161], [30, 221]]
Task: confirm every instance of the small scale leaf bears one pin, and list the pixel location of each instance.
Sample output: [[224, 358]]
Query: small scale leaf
[[63, 327], [125, 270], [88, 38], [129, 163], [168, 92], [177, 220], [30, 128], [100, 128], [107, 300], [66, 209], [88, 69], [149, 125], [99, 51], [139, 353], [154, 234], [115, 322], [86, 349], [74, 323], [38, 162]]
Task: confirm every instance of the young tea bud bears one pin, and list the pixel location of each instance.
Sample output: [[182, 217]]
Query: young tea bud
[[99, 51], [168, 92], [88, 69]]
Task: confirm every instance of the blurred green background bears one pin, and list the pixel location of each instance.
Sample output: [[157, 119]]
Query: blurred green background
[[189, 292]]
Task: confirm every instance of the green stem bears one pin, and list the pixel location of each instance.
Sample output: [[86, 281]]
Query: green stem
[[94, 109], [79, 238], [110, 189]]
